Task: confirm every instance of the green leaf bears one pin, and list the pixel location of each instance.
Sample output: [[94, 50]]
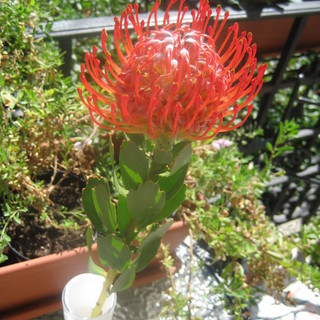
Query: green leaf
[[176, 149], [88, 204], [145, 203], [266, 159], [117, 185], [172, 183], [92, 267], [172, 204], [138, 139], [269, 146], [124, 217], [17, 219], [149, 247], [183, 158], [275, 255], [104, 207], [134, 165], [3, 258], [113, 252], [283, 149], [89, 238], [124, 281], [163, 157], [279, 139]]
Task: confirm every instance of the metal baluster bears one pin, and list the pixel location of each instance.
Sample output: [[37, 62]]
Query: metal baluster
[[287, 52]]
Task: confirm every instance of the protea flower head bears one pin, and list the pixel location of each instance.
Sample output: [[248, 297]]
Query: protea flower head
[[173, 81]]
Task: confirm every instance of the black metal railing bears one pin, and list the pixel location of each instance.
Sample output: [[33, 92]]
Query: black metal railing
[[297, 194]]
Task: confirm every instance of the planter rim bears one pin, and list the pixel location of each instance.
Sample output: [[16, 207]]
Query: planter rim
[[67, 254]]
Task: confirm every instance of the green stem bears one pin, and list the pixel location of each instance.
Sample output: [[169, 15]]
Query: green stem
[[97, 310], [3, 231]]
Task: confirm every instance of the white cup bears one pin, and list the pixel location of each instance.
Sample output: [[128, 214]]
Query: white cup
[[80, 296]]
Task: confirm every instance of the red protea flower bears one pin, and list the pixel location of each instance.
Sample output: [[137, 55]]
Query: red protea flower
[[174, 82]]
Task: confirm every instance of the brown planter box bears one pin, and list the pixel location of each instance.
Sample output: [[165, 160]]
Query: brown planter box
[[33, 288]]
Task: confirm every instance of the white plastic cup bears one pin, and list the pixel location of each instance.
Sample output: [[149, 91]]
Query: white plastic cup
[[80, 296]]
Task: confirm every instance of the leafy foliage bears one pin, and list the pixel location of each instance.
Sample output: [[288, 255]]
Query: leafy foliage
[[223, 208], [39, 120], [130, 223]]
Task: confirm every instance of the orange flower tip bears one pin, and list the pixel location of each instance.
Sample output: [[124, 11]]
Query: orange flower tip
[[249, 35], [159, 2], [232, 71], [104, 35], [263, 67], [218, 8], [116, 20], [226, 14]]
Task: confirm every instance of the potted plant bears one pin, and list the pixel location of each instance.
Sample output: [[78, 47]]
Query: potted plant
[[40, 161], [166, 156], [48, 275]]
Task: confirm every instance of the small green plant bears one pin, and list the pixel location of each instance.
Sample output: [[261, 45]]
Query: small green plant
[[223, 208], [233, 223], [39, 120], [310, 237], [287, 131]]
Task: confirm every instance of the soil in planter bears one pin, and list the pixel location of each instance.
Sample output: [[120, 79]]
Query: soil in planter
[[35, 236]]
